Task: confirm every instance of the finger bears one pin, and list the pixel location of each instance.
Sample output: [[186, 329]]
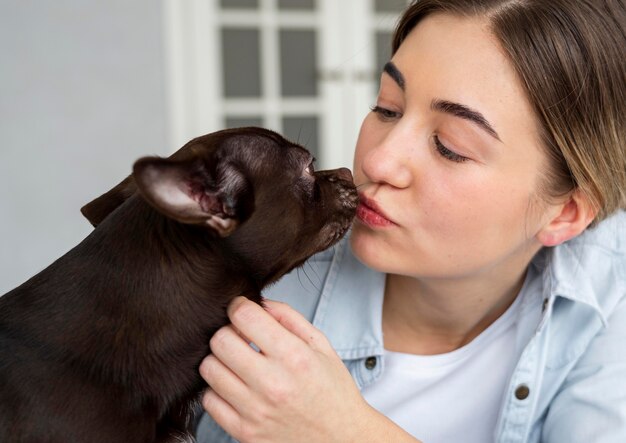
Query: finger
[[234, 352], [296, 323], [241, 334], [260, 327], [224, 382], [222, 412]]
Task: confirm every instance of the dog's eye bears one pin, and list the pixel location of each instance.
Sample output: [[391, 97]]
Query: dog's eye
[[310, 169]]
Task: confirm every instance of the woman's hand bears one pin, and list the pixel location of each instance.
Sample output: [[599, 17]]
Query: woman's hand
[[296, 388]]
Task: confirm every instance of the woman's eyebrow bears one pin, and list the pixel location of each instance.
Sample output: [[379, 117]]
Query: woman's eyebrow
[[455, 109], [395, 74], [464, 112]]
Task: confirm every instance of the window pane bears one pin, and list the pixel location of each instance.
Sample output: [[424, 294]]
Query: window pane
[[241, 62], [383, 49], [303, 130], [240, 122], [383, 54], [390, 5], [298, 63], [251, 4], [296, 4]]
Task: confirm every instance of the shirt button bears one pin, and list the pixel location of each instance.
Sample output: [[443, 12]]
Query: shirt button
[[370, 363], [522, 392]]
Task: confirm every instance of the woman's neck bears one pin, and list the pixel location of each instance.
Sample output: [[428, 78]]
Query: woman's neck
[[435, 316]]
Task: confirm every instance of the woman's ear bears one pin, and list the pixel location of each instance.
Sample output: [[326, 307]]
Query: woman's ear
[[571, 219]]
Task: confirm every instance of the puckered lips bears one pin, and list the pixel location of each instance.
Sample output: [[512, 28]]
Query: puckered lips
[[371, 214]]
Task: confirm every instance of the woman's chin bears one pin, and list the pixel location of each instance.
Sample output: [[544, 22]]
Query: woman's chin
[[369, 249]]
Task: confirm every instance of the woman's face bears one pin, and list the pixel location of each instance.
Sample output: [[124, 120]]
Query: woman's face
[[450, 159]]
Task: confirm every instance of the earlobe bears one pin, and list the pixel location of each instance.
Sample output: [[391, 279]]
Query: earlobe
[[572, 218]]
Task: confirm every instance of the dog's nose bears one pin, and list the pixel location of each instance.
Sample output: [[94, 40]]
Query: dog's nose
[[345, 174]]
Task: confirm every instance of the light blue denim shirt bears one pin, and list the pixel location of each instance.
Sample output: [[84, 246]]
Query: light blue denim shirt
[[569, 384]]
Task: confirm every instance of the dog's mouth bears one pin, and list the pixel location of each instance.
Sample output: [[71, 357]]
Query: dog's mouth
[[345, 200], [335, 231]]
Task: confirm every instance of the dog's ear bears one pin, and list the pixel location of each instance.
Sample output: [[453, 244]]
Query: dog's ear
[[187, 191], [98, 209]]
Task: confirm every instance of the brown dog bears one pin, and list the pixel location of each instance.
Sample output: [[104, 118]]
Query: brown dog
[[104, 344]]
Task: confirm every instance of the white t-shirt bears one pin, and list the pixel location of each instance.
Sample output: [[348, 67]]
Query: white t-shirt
[[453, 397]]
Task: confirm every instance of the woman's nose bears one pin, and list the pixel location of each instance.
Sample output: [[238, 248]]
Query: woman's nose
[[388, 161]]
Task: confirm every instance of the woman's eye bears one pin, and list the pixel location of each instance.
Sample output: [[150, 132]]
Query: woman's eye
[[385, 114], [447, 153]]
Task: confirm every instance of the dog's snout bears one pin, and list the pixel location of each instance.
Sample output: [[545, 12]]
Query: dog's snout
[[334, 175]]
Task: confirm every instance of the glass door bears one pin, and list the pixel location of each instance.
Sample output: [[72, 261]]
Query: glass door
[[305, 68]]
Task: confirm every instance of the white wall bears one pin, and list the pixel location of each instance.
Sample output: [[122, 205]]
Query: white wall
[[81, 97]]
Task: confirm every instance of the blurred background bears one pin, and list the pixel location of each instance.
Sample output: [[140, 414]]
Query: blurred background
[[89, 86]]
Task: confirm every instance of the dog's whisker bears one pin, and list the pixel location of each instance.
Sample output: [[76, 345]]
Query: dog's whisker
[[318, 281], [308, 140], [303, 269], [305, 287], [314, 271]]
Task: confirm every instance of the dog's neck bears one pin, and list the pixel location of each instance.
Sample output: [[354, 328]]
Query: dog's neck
[[150, 311], [171, 250]]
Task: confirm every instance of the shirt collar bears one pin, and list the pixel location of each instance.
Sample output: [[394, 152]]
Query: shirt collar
[[583, 269], [568, 277]]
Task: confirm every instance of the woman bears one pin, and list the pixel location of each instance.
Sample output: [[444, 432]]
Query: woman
[[488, 251]]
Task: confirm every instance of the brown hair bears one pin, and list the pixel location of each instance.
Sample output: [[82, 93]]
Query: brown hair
[[571, 59]]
